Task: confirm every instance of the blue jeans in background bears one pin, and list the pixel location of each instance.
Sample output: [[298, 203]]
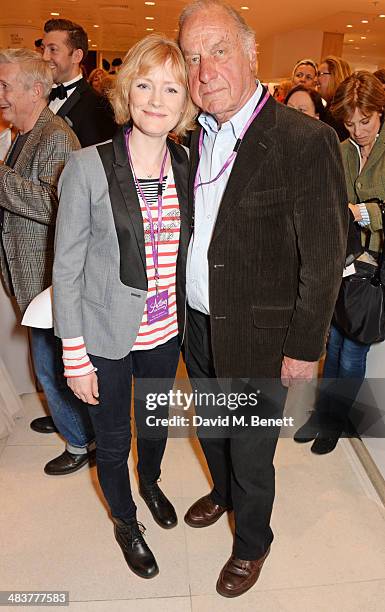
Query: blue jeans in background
[[69, 414], [343, 375]]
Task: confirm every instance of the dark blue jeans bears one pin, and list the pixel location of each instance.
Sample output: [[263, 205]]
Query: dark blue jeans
[[112, 422], [343, 375], [69, 414]]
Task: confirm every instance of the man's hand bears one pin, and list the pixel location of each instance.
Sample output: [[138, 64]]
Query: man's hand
[[85, 388], [294, 371], [356, 212]]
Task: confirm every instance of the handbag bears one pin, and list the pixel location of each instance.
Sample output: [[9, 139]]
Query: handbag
[[360, 308]]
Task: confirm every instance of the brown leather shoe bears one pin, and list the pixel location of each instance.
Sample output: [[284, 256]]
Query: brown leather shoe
[[238, 576], [204, 512]]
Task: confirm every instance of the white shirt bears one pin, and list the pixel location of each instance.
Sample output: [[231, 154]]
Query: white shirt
[[218, 144], [5, 142], [56, 104]]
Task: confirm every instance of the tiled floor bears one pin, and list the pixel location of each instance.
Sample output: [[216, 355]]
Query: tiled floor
[[329, 551]]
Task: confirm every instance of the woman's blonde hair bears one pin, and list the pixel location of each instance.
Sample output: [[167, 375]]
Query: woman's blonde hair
[[339, 70], [150, 52], [95, 72]]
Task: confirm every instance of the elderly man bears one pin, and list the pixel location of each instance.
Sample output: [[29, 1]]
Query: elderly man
[[28, 207], [265, 261], [64, 48]]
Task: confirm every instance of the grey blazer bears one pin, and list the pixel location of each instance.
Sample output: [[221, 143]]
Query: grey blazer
[[99, 273]]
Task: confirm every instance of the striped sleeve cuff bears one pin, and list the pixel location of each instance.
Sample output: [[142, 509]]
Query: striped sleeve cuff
[[75, 358], [365, 215]]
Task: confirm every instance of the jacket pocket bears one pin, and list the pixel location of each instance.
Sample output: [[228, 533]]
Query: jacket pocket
[[268, 318], [264, 200]]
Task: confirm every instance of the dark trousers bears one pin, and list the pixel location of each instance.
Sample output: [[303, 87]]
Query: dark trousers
[[241, 465], [152, 370]]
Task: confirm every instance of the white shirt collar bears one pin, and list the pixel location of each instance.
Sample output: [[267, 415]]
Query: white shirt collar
[[73, 81], [238, 121]]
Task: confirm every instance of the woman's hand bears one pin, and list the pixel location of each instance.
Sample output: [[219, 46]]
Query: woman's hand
[[85, 388], [356, 211]]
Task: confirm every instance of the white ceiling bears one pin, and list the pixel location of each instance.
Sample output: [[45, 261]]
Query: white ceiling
[[122, 22]]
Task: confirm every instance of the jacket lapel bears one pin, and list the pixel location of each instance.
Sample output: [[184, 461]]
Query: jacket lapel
[[194, 160], [130, 199], [180, 167], [253, 155], [34, 136], [72, 99], [377, 151]]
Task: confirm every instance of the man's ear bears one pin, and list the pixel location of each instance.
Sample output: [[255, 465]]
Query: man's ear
[[37, 91], [77, 56], [253, 59]]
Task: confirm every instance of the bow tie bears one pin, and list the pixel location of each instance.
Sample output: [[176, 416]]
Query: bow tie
[[60, 91]]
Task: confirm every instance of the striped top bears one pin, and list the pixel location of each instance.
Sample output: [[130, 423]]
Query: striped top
[[75, 358], [152, 335]]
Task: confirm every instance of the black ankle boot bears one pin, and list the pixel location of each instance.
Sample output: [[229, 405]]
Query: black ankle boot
[[160, 507], [137, 554]]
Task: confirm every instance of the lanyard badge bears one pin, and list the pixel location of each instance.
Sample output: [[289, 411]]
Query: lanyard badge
[[157, 305]]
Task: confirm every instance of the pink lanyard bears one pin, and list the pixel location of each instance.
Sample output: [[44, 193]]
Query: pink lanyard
[[234, 152], [155, 239]]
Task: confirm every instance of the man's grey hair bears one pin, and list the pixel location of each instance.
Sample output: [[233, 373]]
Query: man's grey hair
[[247, 34], [33, 69]]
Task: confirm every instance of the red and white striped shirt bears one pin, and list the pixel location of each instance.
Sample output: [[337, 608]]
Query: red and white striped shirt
[[152, 335], [75, 358]]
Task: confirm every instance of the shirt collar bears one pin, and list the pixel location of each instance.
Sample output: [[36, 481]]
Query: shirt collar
[[238, 121], [73, 81]]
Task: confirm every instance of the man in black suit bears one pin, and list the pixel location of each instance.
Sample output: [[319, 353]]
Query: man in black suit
[[65, 46], [265, 263]]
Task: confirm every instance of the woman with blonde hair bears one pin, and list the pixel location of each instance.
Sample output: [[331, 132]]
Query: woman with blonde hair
[[119, 280], [96, 77], [331, 72], [305, 73]]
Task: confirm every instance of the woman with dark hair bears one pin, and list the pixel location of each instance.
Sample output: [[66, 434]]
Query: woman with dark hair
[[306, 101], [380, 75], [331, 72], [359, 103]]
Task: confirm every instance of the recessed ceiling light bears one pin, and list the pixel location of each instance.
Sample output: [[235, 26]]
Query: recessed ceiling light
[[149, 18], [149, 29], [356, 48], [364, 21], [150, 3], [363, 37], [93, 45], [96, 26], [349, 25], [89, 40], [381, 16], [351, 40], [55, 14], [244, 8]]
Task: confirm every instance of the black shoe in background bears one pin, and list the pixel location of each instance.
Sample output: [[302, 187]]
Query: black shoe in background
[[309, 430], [138, 556], [44, 425], [324, 443], [67, 463]]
